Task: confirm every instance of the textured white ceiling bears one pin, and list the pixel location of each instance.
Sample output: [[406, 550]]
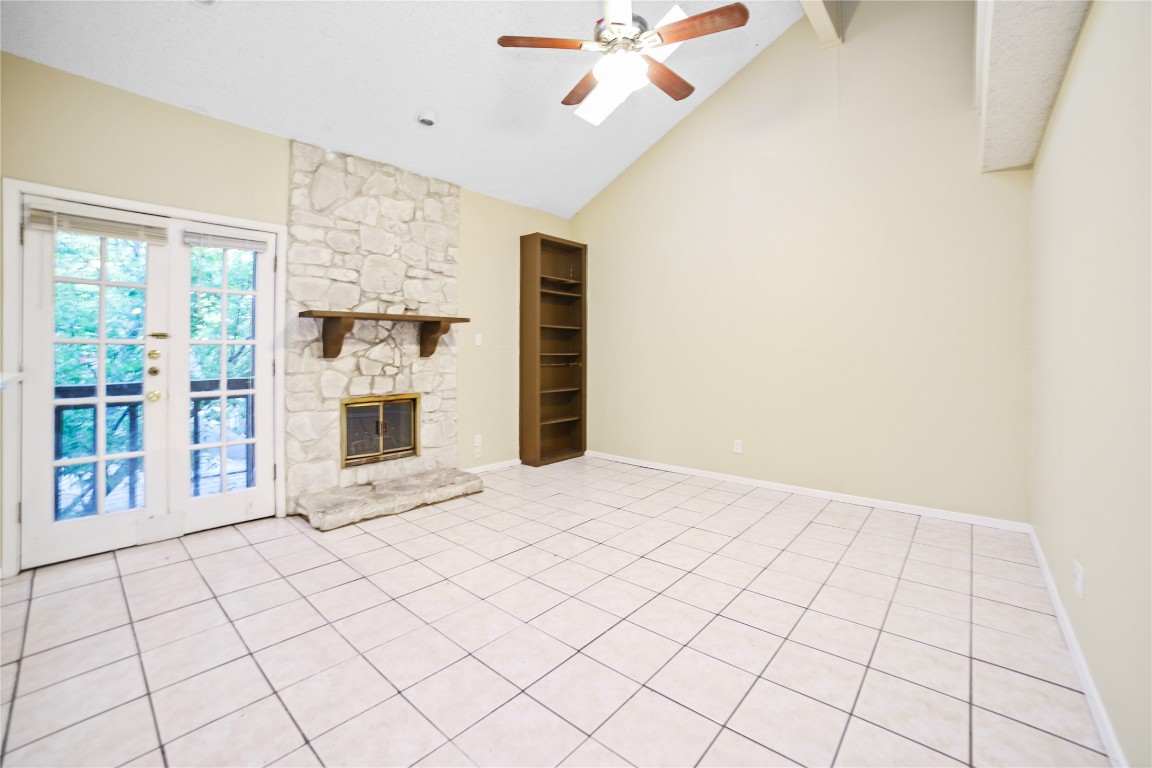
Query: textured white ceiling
[[1027, 46], [352, 76]]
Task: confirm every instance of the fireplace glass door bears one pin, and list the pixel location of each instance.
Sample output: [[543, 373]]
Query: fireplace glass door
[[380, 428]]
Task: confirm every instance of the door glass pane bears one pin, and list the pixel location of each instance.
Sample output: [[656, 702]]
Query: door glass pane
[[240, 366], [76, 370], [75, 431], [204, 367], [127, 261], [241, 466], [77, 311], [204, 319], [223, 310], [241, 315], [124, 369], [75, 491], [124, 313], [207, 267], [240, 421], [104, 367], [124, 485], [124, 427], [206, 472], [205, 420], [241, 270], [77, 256]]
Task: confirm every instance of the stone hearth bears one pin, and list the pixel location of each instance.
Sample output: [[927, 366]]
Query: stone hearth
[[326, 511]]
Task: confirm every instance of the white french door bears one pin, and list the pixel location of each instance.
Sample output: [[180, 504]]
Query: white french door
[[147, 403]]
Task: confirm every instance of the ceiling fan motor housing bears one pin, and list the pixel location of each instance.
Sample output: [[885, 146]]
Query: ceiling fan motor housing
[[608, 33]]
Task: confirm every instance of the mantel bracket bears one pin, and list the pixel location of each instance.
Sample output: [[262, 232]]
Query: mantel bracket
[[430, 334], [332, 334]]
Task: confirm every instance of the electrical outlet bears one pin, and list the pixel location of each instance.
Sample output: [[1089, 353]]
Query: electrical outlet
[[478, 440], [1078, 579], [737, 446], [476, 451], [479, 339]]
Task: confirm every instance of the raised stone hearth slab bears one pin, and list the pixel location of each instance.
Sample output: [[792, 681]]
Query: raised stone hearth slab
[[345, 506]]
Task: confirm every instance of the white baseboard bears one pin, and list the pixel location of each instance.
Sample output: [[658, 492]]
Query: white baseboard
[[896, 506], [1095, 705], [1087, 684], [493, 467]]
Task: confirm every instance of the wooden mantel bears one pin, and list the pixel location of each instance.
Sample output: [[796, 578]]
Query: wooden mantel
[[338, 324]]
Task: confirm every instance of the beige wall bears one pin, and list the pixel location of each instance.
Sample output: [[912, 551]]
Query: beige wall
[[1091, 393], [811, 263], [489, 380], [66, 131]]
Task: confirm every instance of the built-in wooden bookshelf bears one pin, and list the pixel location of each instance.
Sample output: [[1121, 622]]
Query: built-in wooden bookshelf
[[553, 339]]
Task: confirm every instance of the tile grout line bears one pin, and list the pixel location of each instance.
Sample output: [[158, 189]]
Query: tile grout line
[[471, 654], [80, 674], [879, 634], [787, 638], [19, 665], [972, 648], [868, 666], [251, 655], [757, 676], [578, 651], [398, 691], [140, 663]]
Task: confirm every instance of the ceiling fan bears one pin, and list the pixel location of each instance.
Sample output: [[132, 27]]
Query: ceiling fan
[[624, 39]]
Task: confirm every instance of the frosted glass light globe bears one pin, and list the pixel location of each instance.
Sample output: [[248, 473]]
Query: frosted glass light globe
[[624, 71]]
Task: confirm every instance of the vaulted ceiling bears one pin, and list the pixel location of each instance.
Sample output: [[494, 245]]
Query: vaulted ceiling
[[352, 77]]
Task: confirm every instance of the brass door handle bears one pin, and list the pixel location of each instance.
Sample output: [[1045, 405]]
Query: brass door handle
[[153, 354], [153, 371], [152, 396]]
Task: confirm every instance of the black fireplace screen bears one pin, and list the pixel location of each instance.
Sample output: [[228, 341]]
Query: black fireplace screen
[[380, 428]]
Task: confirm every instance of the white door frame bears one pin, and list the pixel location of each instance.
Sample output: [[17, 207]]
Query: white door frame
[[11, 355]]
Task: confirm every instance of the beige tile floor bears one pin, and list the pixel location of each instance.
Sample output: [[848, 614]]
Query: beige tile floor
[[587, 613]]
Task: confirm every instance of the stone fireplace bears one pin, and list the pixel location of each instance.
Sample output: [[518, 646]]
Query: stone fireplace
[[368, 237]]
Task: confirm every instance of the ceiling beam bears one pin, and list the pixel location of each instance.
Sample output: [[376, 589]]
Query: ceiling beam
[[824, 16], [1024, 47]]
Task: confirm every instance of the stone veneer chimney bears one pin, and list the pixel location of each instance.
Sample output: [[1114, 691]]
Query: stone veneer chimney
[[364, 236]]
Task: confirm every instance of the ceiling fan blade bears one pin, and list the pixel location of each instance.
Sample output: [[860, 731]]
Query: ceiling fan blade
[[618, 12], [667, 80], [582, 89], [707, 23], [513, 41]]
